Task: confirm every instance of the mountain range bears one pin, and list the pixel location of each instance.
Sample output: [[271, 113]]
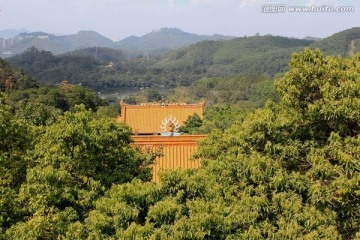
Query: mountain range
[[104, 68], [165, 38]]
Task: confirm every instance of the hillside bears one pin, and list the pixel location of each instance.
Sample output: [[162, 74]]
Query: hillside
[[50, 70], [99, 54], [263, 55], [266, 55], [343, 43]]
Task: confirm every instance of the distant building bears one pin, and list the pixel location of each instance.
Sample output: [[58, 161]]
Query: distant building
[[6, 43], [110, 65], [156, 125], [43, 37]]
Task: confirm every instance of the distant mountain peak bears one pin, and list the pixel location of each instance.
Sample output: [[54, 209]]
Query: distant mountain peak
[[167, 31], [88, 32], [165, 38], [312, 38], [171, 30]]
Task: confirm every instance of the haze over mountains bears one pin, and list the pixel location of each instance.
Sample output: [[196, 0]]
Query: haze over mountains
[[10, 33], [165, 38]]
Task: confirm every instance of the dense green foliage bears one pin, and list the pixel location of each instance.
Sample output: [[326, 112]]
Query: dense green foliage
[[63, 97], [100, 54], [34, 101], [54, 163], [266, 55], [51, 176], [191, 125], [245, 92], [287, 171], [12, 79], [219, 117], [51, 70]]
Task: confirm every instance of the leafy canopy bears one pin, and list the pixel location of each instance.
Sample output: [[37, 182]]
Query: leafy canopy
[[288, 171]]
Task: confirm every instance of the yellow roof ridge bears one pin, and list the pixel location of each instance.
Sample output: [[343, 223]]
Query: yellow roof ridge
[[163, 103]]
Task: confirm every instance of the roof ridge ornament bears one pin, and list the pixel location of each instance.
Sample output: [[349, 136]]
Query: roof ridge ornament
[[169, 126], [163, 103]]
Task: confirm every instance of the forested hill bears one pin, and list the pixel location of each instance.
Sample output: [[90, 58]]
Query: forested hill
[[343, 43], [257, 55], [266, 55], [263, 55]]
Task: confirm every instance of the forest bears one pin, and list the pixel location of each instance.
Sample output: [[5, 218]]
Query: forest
[[262, 55], [102, 68], [285, 168]]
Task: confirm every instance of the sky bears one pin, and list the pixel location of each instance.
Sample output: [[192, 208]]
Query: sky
[[118, 19]]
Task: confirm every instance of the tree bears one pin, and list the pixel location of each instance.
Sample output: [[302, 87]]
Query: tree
[[15, 140], [11, 78], [192, 124], [38, 114], [323, 90], [74, 162], [312, 137], [153, 95]]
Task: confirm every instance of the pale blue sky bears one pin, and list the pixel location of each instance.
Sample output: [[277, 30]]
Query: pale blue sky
[[118, 19]]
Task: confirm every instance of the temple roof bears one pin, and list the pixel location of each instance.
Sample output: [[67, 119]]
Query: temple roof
[[150, 118]]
